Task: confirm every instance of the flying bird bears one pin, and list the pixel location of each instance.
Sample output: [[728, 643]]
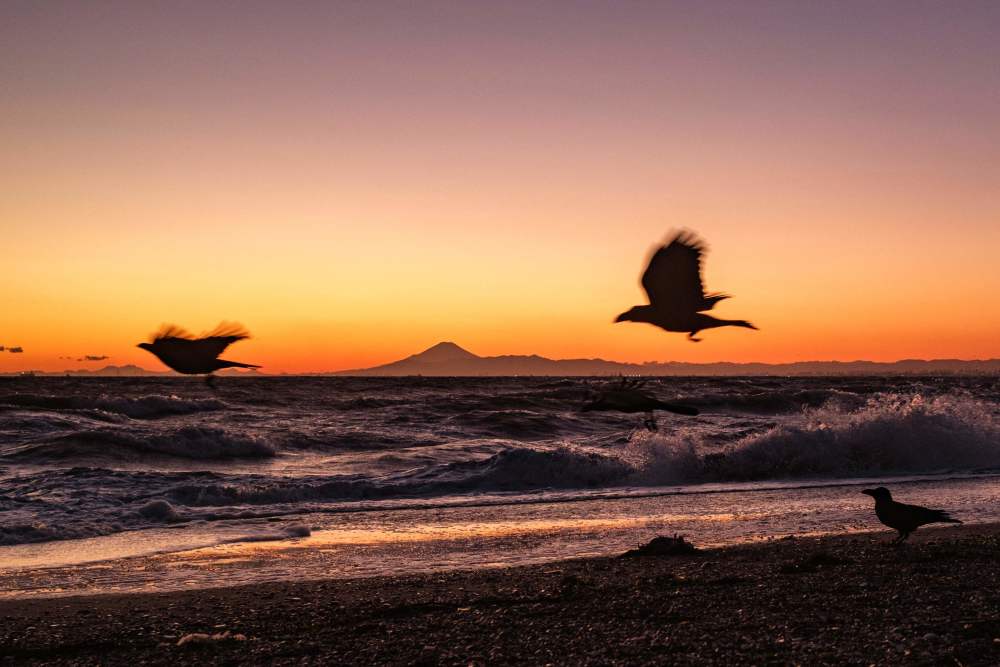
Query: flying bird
[[677, 298], [628, 396], [902, 517], [196, 356]]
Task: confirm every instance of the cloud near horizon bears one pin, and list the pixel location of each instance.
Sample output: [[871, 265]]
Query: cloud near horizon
[[15, 350], [94, 357]]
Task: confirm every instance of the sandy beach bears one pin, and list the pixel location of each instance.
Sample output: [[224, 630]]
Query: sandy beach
[[849, 599]]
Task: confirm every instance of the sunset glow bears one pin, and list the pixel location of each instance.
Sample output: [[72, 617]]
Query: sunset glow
[[355, 184]]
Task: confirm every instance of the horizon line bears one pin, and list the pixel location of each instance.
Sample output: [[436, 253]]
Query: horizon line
[[637, 365]]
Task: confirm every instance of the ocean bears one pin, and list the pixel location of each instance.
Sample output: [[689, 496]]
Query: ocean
[[120, 484]]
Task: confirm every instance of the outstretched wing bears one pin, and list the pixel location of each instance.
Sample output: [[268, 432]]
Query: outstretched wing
[[211, 343], [222, 336], [672, 279], [170, 332]]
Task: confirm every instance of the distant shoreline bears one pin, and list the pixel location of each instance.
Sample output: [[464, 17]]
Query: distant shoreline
[[936, 368], [447, 359], [830, 600]]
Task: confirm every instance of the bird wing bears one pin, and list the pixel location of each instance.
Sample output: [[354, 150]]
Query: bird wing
[[211, 343], [926, 515], [672, 279], [171, 332]]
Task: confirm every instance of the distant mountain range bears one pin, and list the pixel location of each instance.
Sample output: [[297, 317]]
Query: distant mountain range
[[129, 370], [448, 359]]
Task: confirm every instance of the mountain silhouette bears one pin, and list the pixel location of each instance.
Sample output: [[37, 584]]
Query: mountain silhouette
[[444, 352], [449, 359]]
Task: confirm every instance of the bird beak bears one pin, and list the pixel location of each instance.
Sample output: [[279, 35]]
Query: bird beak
[[869, 492], [621, 318]]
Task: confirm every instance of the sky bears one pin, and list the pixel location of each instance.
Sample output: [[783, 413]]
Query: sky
[[357, 181]]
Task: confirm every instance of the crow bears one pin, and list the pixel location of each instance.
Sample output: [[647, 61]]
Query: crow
[[902, 517], [196, 356], [672, 281], [628, 396]]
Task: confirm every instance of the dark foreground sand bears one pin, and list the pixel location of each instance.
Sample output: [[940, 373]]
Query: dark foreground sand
[[836, 600]]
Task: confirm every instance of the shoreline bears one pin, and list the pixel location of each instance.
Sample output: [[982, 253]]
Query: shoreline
[[834, 599]]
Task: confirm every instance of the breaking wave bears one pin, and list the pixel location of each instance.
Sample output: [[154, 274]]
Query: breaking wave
[[767, 401], [189, 442], [514, 424], [891, 433], [142, 407]]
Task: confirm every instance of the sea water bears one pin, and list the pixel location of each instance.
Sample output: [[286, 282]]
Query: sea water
[[118, 484]]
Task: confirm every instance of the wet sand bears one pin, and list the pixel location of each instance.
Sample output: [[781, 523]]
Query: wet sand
[[833, 600]]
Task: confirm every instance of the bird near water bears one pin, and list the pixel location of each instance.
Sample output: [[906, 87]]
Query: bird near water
[[628, 396], [677, 297], [902, 517], [186, 354]]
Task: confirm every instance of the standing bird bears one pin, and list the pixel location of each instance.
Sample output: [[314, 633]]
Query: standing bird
[[676, 295], [628, 396], [195, 356], [902, 517]]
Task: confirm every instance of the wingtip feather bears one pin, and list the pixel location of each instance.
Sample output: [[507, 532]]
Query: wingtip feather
[[223, 329], [170, 331], [227, 330]]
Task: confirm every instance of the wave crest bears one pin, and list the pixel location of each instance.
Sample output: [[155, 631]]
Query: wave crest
[[189, 442], [141, 407], [891, 433]]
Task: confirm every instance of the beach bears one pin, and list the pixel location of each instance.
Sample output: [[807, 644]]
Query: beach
[[844, 599]]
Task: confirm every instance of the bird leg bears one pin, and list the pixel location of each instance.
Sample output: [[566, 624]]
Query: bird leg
[[692, 338], [210, 381]]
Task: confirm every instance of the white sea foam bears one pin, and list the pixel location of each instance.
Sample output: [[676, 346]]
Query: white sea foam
[[890, 433]]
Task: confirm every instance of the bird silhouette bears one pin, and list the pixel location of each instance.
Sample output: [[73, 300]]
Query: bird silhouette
[[902, 517], [628, 396], [672, 281], [186, 354]]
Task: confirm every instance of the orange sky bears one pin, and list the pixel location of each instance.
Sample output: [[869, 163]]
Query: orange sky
[[356, 182]]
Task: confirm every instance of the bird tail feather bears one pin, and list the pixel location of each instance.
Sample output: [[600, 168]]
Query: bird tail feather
[[237, 364], [940, 516], [712, 299]]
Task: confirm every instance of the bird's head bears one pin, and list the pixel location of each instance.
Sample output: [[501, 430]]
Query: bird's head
[[879, 493], [633, 314], [145, 346]]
